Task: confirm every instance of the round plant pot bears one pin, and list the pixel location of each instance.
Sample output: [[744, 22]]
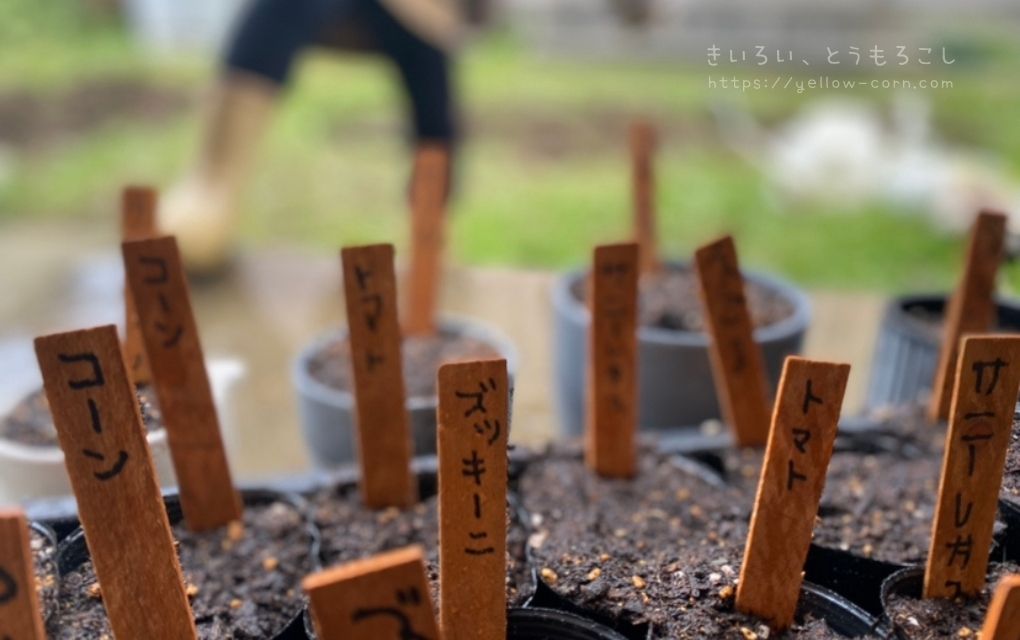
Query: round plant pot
[[854, 577], [674, 373], [28, 472], [543, 624], [328, 414], [907, 350], [1009, 513], [73, 551]]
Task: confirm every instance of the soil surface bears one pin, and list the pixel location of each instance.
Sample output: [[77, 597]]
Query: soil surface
[[30, 422], [663, 549], [937, 619], [422, 356], [670, 300], [244, 582], [1011, 476], [44, 554], [350, 531]]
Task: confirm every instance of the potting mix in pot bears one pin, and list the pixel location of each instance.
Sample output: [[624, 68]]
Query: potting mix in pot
[[616, 538]]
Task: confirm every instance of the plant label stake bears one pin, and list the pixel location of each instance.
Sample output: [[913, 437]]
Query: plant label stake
[[792, 478], [984, 395], [971, 308], [384, 432], [1003, 619], [737, 363], [137, 222], [612, 369], [20, 617], [474, 422], [642, 152], [378, 598], [429, 189], [100, 429], [154, 273]]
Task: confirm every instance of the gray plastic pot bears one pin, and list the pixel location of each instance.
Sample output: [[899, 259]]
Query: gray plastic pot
[[674, 373], [328, 415], [907, 351]]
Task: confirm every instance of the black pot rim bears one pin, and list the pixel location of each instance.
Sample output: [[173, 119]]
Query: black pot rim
[[252, 496]]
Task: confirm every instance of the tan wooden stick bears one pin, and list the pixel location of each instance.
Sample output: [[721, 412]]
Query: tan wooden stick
[[137, 222], [610, 448], [20, 613], [642, 152], [156, 277], [792, 478], [987, 380], [474, 421], [119, 503], [738, 365], [1003, 619], [384, 431], [971, 309], [429, 190], [385, 596]]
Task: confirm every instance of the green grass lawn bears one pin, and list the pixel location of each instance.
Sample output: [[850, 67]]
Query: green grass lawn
[[543, 175]]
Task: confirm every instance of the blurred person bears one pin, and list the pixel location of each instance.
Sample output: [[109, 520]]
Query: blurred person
[[417, 36]]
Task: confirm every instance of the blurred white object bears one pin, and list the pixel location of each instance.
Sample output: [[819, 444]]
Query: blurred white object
[[841, 154], [177, 26]]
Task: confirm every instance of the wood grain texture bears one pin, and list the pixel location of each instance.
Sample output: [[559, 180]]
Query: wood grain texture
[[474, 422], [643, 142], [137, 222], [20, 613], [971, 308], [610, 432], [380, 598], [981, 419], [385, 448], [797, 457], [429, 190], [100, 429], [1003, 619], [738, 366], [158, 284]]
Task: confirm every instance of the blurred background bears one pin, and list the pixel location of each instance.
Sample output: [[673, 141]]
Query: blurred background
[[846, 145], [846, 188]]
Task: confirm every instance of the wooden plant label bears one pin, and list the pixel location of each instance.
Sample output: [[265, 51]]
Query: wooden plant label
[[610, 449], [971, 309], [1003, 619], [987, 380], [385, 597], [642, 152], [120, 507], [137, 222], [429, 189], [20, 617], [384, 431], [474, 421], [792, 478], [154, 273], [737, 362]]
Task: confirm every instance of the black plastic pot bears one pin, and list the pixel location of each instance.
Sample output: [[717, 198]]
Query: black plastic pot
[[1009, 513], [907, 351], [854, 577], [536, 623], [73, 551]]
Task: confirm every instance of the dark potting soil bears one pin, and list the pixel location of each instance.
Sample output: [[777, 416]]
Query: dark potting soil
[[670, 300], [663, 549], [350, 531], [876, 505], [44, 555], [422, 356], [244, 583], [1011, 474], [937, 619], [30, 422]]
